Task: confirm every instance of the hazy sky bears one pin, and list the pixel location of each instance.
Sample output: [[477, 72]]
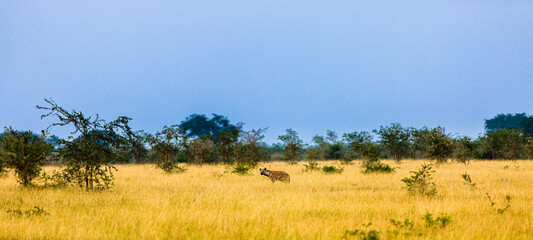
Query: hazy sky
[[306, 65]]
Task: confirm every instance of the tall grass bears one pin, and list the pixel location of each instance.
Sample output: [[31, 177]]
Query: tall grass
[[209, 202]]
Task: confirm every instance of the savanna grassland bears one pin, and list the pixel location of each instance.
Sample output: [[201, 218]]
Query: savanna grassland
[[208, 202]]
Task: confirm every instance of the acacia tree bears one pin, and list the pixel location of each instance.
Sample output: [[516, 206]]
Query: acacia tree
[[88, 157], [200, 150], [504, 143], [293, 146], [166, 144], [395, 139], [439, 144], [250, 150], [25, 153], [463, 149], [361, 142], [228, 141]]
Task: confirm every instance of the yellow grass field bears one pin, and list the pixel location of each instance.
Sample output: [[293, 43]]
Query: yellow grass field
[[207, 203]]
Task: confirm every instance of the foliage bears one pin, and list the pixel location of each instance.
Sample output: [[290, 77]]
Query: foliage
[[313, 153], [251, 150], [463, 149], [361, 142], [500, 210], [503, 143], [468, 181], [198, 126], [363, 234], [517, 121], [228, 142], [332, 169], [166, 145], [34, 212], [293, 146], [311, 166], [376, 167], [240, 169], [395, 139], [201, 150], [88, 157], [25, 153], [420, 182], [418, 146], [441, 221], [438, 144]]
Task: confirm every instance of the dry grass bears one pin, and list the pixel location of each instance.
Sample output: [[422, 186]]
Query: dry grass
[[206, 203]]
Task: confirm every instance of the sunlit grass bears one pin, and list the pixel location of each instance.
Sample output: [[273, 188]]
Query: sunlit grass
[[210, 202]]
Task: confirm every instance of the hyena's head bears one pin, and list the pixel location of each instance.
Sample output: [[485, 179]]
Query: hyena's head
[[263, 171]]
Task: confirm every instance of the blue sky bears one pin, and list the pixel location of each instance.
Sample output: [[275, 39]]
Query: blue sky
[[306, 65]]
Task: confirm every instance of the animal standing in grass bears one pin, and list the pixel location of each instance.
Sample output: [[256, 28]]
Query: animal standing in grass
[[276, 175]]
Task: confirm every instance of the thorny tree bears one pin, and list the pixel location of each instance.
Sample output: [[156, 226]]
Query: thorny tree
[[88, 156]]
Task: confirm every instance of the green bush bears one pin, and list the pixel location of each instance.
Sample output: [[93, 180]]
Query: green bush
[[420, 181], [442, 221], [240, 169], [25, 153], [332, 169], [376, 167], [311, 166]]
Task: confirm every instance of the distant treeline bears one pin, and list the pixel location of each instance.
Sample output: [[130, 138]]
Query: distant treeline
[[88, 155]]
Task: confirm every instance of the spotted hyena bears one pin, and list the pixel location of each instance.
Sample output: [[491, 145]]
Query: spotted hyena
[[276, 175]]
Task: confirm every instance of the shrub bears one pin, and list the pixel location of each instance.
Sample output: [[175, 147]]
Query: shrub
[[240, 169], [332, 169], [420, 181], [363, 234], [293, 146], [35, 211], [25, 153], [468, 181], [438, 144], [376, 167], [89, 156], [311, 166], [441, 221], [463, 150]]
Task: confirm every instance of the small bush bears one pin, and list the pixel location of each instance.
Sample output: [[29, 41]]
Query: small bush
[[420, 181], [376, 167], [468, 181], [363, 234], [442, 221], [240, 169], [171, 167], [56, 179], [311, 166], [35, 211], [332, 170]]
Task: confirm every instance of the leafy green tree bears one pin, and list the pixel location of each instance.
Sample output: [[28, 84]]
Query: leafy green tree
[[361, 142], [201, 150], [502, 121], [293, 146], [88, 157], [25, 153], [504, 143], [166, 144], [197, 125], [321, 147], [250, 149], [395, 139], [463, 149], [228, 142], [335, 148], [418, 146], [439, 145]]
